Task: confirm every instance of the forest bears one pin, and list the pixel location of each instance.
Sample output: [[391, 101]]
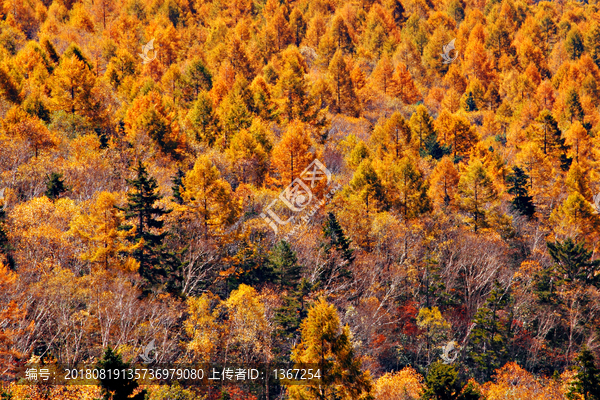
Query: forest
[[403, 194]]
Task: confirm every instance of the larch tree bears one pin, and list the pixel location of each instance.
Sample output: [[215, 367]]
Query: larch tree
[[367, 185], [444, 182], [204, 119], [327, 345], [99, 231], [297, 26], [456, 131], [551, 135], [421, 124], [383, 74], [393, 137], [345, 97], [292, 153], [8, 87], [209, 196], [579, 142], [198, 77], [574, 44], [340, 35], [72, 86], [476, 193], [403, 85], [292, 87], [249, 156], [592, 42], [406, 190], [574, 109]]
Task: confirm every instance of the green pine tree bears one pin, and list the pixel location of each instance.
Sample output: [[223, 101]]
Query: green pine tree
[[55, 186], [290, 315], [5, 247], [433, 148], [490, 337], [443, 383], [522, 202], [339, 255], [587, 380], [117, 389], [572, 262], [156, 265], [178, 186], [285, 265], [470, 104]]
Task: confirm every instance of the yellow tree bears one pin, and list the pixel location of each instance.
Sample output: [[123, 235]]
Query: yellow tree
[[403, 85], [249, 330], [11, 315], [249, 156], [72, 87], [579, 141], [444, 182], [31, 129], [476, 193], [383, 74], [512, 380], [150, 117], [292, 153], [327, 345], [345, 99], [203, 326], [405, 188], [456, 130], [367, 185], [209, 196], [392, 137], [406, 384], [99, 231], [544, 184], [421, 124]]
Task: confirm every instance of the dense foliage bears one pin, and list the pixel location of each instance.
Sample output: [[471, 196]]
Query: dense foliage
[[142, 192]]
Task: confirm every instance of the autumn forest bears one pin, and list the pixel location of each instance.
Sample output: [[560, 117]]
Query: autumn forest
[[404, 194]]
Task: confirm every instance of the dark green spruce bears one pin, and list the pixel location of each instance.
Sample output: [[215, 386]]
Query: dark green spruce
[[158, 267]]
